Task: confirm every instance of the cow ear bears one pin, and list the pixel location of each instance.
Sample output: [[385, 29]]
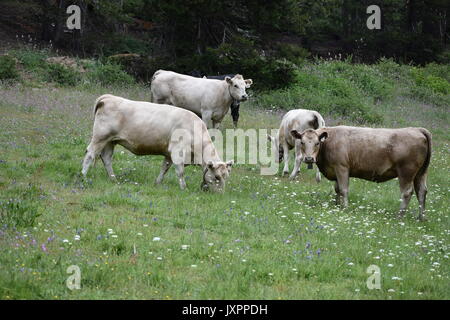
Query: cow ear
[[228, 80], [296, 134], [229, 164], [210, 165], [248, 83], [323, 136]]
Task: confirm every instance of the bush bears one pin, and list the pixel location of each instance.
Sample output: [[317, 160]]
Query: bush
[[368, 78], [31, 59], [436, 84], [240, 56], [62, 75], [438, 70], [292, 52], [116, 44], [8, 68], [317, 88], [110, 74]]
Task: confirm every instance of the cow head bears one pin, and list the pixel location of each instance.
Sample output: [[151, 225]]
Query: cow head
[[277, 148], [237, 86], [310, 141], [215, 174]]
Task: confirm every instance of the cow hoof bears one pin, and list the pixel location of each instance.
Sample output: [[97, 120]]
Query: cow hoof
[[422, 218], [291, 177]]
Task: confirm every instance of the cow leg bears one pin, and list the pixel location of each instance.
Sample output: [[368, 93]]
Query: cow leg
[[318, 176], [298, 161], [92, 151], [106, 156], [286, 158], [420, 186], [342, 176], [207, 119], [406, 173], [166, 164], [179, 168], [406, 189], [338, 194]]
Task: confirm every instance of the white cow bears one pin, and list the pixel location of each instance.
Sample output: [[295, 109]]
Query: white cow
[[210, 99], [152, 129], [300, 120]]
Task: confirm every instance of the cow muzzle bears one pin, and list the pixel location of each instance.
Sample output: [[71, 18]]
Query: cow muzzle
[[309, 161]]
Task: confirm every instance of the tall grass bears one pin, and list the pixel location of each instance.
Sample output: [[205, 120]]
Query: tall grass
[[266, 237]]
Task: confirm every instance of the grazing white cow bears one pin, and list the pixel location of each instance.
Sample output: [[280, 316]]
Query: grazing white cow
[[371, 154], [300, 120], [152, 129], [210, 99]]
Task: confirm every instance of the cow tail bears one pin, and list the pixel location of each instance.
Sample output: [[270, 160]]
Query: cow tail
[[426, 164], [99, 103], [320, 120], [155, 74]]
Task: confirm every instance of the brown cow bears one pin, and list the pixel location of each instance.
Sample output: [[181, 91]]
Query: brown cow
[[371, 154]]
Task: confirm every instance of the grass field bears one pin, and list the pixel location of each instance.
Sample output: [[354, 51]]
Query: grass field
[[265, 238]]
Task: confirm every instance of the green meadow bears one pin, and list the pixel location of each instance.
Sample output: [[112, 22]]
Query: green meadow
[[266, 237]]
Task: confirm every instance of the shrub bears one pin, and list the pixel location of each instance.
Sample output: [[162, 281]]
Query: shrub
[[125, 44], [292, 52], [368, 78], [62, 75], [317, 88], [31, 59], [110, 74], [438, 70], [240, 56], [8, 68], [432, 82]]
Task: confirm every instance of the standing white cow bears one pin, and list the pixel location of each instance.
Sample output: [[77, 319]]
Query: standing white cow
[[210, 99], [147, 128], [300, 120]]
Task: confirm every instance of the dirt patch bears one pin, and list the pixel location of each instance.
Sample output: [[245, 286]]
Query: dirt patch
[[67, 62]]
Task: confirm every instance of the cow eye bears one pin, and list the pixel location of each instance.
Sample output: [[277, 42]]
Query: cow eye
[[317, 143], [235, 86]]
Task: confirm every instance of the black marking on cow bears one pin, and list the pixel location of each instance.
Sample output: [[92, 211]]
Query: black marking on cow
[[314, 123], [280, 153], [235, 111]]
